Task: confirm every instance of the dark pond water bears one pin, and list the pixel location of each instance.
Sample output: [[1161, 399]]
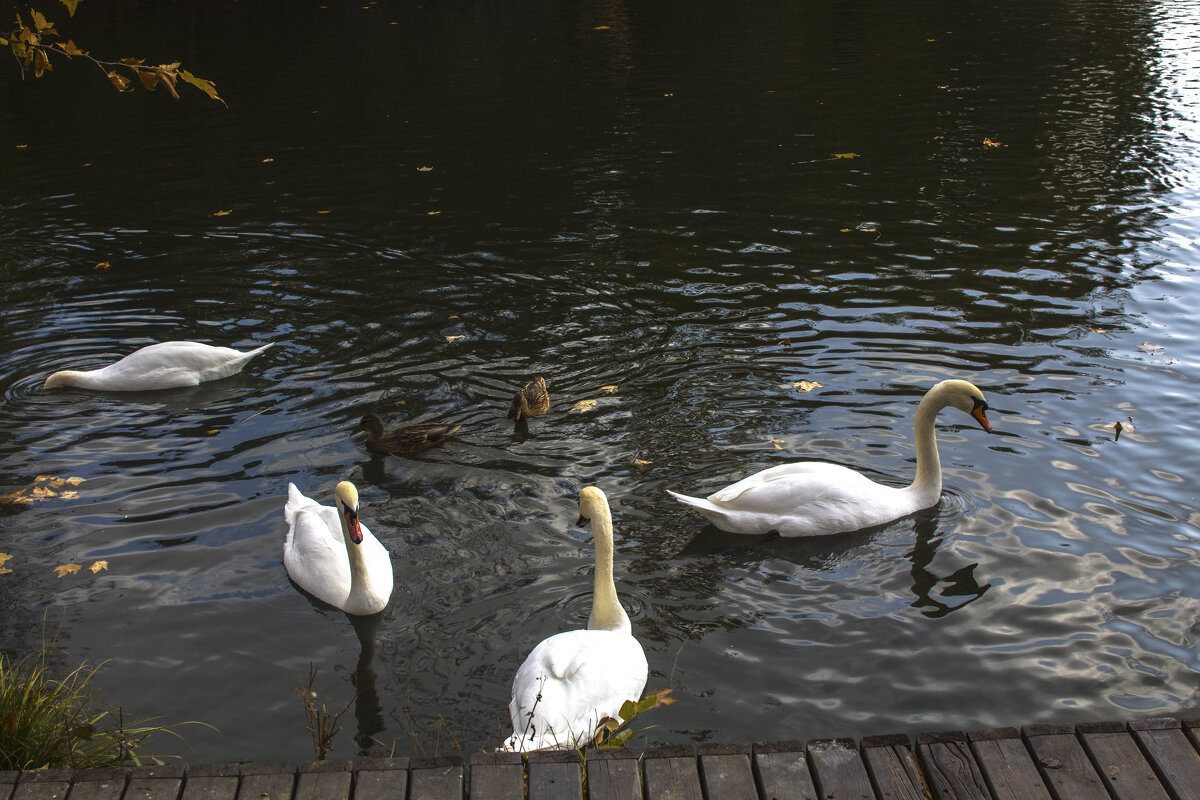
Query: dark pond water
[[698, 203]]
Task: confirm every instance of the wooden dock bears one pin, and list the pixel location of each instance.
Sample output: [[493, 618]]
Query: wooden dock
[[1153, 759]]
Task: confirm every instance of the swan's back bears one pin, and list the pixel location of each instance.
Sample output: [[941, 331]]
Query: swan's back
[[582, 677]]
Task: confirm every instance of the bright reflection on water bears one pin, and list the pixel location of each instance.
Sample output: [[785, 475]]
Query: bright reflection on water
[[650, 198]]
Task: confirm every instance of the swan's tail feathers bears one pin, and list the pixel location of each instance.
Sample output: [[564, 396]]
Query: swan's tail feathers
[[257, 350], [296, 500], [695, 502]]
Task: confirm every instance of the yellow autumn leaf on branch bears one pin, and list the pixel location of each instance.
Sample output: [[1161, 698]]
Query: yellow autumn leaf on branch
[[206, 86], [67, 569]]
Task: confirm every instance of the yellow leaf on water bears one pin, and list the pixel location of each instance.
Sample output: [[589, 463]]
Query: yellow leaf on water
[[4, 557], [5, 571], [845, 155], [267, 160], [424, 169], [778, 443], [432, 213], [67, 569], [991, 143], [584, 405], [103, 265], [223, 212], [610, 389], [68, 495], [454, 337], [601, 28], [213, 432], [97, 566], [806, 386], [325, 211]]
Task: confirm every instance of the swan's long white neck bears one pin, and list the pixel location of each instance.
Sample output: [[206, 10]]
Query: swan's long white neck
[[361, 588], [80, 379], [928, 482], [607, 614]]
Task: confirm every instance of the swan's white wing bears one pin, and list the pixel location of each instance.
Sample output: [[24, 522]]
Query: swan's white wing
[[569, 683]]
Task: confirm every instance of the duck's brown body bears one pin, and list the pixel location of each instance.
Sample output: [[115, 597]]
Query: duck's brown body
[[403, 440], [532, 401]]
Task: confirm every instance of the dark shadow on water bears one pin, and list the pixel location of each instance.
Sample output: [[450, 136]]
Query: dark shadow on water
[[960, 584], [368, 710]]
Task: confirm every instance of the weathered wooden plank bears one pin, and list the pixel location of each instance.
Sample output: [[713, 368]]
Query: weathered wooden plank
[[1006, 764], [97, 784], [163, 782], [725, 771], [261, 781], [838, 770], [323, 780], [212, 782], [781, 769], [893, 768], [43, 784], [672, 773], [1063, 763], [950, 768], [437, 778], [380, 779], [496, 776], [555, 775], [1119, 762], [8, 782], [613, 774], [1171, 754]]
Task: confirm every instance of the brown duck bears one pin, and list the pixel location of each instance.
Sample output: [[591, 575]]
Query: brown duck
[[532, 401], [403, 440]]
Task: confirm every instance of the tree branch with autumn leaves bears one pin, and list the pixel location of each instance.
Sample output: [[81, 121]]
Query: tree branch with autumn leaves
[[34, 44]]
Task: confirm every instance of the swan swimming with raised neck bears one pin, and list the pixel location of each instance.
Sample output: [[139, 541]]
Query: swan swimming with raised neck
[[813, 498], [166, 365], [331, 555], [574, 679]]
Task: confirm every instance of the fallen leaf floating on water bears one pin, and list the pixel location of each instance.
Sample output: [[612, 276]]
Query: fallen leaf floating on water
[[267, 160], [778, 443], [1099, 330], [806, 386], [3, 569], [67, 569], [44, 487], [103, 265], [424, 169], [845, 155], [223, 212], [97, 566], [454, 337], [991, 143], [1118, 427], [643, 463], [584, 405], [610, 389], [1151, 348]]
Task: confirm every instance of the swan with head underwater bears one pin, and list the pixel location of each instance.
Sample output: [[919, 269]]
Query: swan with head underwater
[[332, 556], [574, 679], [166, 365], [812, 498]]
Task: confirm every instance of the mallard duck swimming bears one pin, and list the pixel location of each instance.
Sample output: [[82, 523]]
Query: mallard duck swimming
[[166, 365], [532, 401], [403, 440], [811, 498], [332, 556], [574, 679]]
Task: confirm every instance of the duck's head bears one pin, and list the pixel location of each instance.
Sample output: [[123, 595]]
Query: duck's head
[[346, 497], [370, 424], [591, 502], [966, 397]]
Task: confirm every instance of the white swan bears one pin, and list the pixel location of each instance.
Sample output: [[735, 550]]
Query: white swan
[[332, 556], [811, 498], [166, 365], [573, 680]]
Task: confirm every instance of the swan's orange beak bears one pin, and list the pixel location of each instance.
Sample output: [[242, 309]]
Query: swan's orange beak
[[352, 526], [979, 412]]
